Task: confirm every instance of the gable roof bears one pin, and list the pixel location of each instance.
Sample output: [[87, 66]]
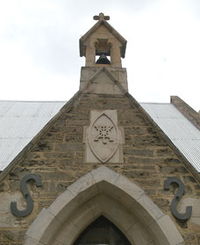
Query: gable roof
[[20, 121], [184, 135], [110, 28]]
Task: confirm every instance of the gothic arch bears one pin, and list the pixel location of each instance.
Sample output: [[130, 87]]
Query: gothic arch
[[103, 192]]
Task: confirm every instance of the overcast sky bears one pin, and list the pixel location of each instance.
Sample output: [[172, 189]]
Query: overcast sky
[[39, 47]]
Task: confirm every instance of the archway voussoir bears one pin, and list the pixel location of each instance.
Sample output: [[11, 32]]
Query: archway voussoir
[[59, 204], [181, 243], [64, 239], [41, 225], [167, 229], [141, 235], [77, 221], [114, 212], [30, 241], [82, 184], [59, 243], [104, 174], [148, 210], [124, 184]]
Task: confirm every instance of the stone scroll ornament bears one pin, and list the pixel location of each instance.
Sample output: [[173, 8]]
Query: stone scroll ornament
[[26, 194], [103, 137], [178, 195]]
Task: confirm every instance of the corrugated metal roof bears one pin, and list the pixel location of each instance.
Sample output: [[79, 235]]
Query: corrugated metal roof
[[20, 121], [184, 135]]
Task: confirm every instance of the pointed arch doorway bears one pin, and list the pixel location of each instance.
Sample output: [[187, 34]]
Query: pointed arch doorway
[[103, 192]]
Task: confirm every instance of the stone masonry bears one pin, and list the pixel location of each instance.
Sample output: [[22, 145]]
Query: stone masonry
[[57, 154]]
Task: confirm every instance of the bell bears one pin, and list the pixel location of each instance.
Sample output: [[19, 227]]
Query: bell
[[103, 59]]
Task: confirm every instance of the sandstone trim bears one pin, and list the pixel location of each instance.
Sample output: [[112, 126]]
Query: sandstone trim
[[103, 192]]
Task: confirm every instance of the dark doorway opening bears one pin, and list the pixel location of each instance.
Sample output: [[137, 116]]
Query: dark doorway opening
[[102, 232]]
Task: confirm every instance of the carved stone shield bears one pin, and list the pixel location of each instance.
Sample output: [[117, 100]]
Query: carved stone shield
[[103, 137]]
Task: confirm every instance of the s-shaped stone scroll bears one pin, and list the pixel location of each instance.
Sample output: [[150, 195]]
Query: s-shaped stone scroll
[[178, 195], [26, 194]]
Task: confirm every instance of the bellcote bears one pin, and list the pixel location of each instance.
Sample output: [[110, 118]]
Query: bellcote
[[102, 45]]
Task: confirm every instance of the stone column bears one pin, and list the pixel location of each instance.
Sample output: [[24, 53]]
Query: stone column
[[90, 55], [115, 56]]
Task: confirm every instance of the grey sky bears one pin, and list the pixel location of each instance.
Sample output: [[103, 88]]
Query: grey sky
[[39, 48]]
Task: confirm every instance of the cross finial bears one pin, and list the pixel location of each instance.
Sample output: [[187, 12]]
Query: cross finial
[[101, 16]]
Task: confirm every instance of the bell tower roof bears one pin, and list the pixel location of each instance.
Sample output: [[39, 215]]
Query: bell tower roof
[[103, 31]]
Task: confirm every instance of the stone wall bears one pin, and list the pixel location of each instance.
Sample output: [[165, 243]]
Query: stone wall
[[58, 156]]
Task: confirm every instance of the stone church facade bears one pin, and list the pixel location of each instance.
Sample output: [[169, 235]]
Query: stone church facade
[[100, 162]]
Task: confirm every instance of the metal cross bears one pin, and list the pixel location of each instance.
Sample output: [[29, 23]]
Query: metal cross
[[101, 16]]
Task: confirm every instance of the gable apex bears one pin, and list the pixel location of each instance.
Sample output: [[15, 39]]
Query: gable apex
[[104, 23]]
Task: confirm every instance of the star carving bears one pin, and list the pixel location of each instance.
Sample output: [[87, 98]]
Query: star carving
[[103, 134]]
